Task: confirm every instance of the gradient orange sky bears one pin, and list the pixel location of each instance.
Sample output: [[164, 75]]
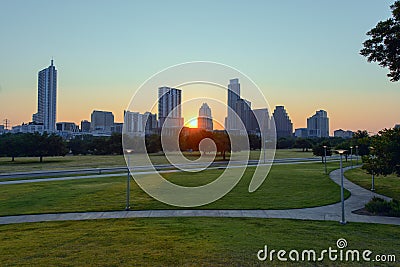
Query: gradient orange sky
[[305, 57]]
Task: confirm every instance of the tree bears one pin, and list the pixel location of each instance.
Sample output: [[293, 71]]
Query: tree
[[363, 141], [319, 150], [384, 45], [153, 143], [285, 143], [222, 142], [302, 143], [385, 155]]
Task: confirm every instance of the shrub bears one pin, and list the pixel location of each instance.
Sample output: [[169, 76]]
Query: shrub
[[379, 206]]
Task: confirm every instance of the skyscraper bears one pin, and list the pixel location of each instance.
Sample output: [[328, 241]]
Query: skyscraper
[[283, 124], [205, 120], [318, 124], [233, 97], [244, 112], [47, 99], [169, 106], [261, 121]]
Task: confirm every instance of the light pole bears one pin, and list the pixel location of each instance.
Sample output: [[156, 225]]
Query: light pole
[[326, 171], [357, 154], [373, 168], [351, 156], [128, 179], [341, 152]]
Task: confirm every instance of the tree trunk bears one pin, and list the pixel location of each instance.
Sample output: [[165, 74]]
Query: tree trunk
[[41, 158], [12, 158], [322, 159], [223, 155]]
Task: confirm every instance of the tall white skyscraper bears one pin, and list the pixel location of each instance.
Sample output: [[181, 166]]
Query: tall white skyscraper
[[318, 124], [169, 106], [205, 120], [47, 99]]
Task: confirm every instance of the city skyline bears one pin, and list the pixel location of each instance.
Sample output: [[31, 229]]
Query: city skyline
[[103, 61]]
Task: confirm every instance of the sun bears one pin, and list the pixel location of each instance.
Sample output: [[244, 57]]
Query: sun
[[192, 123]]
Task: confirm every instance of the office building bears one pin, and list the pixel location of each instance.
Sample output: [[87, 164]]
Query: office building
[[67, 127], [47, 99], [117, 127], [101, 121], [28, 128], [85, 126], [318, 124], [301, 132], [169, 106], [343, 134], [283, 124], [205, 120]]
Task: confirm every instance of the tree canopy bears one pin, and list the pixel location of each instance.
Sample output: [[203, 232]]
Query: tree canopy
[[384, 45], [385, 153]]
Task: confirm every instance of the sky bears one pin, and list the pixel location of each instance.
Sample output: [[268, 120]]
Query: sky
[[302, 54]]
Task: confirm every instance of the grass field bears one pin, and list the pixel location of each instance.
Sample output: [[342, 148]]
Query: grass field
[[287, 186], [185, 241], [77, 162], [388, 186]]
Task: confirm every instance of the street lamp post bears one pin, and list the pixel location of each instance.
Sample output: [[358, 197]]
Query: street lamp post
[[341, 152], [357, 154], [373, 167], [128, 179], [351, 156], [326, 171]]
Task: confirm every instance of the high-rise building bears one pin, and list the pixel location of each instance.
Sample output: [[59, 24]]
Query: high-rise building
[[101, 121], [205, 120], [243, 110], [261, 121], [318, 124], [85, 126], [134, 122], [47, 99], [233, 97], [169, 106], [151, 123], [283, 124]]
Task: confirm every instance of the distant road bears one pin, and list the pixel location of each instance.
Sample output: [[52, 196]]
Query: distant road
[[116, 171]]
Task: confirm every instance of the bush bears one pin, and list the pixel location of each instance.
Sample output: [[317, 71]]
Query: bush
[[379, 206]]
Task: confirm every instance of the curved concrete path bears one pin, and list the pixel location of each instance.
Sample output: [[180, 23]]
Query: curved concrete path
[[359, 196]]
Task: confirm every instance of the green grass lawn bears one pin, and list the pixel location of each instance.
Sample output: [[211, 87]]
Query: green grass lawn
[[185, 241], [79, 162], [388, 186], [287, 186]]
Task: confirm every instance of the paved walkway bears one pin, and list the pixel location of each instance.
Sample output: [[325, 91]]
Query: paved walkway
[[359, 196]]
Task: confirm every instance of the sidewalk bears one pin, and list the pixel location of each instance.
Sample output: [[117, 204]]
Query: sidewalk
[[359, 196]]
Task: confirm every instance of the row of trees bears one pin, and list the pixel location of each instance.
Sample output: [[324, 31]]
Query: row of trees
[[32, 145]]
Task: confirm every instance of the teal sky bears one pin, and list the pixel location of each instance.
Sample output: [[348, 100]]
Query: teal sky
[[303, 54]]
